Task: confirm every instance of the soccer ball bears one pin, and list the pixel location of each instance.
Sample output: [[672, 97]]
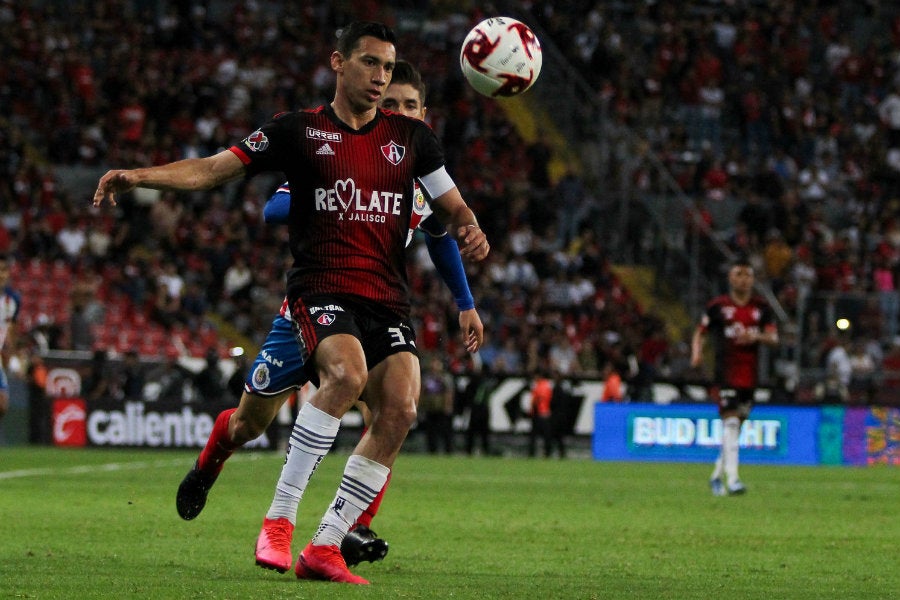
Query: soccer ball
[[501, 57]]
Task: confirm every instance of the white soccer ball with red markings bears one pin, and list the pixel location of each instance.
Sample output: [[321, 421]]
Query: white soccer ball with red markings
[[501, 57]]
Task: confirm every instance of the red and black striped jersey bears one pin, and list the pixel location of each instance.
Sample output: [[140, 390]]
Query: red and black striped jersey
[[736, 365], [351, 198]]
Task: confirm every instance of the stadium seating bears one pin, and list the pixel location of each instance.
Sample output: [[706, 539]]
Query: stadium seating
[[624, 50]]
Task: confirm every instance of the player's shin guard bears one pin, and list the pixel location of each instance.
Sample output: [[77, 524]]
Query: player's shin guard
[[311, 439], [366, 517], [363, 479]]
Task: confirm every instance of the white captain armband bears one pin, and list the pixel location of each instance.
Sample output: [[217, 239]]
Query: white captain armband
[[437, 183]]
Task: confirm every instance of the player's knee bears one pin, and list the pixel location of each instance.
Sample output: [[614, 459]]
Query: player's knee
[[408, 415], [401, 412], [346, 381]]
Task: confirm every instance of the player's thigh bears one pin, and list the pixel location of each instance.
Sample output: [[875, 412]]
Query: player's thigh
[[328, 334], [339, 361]]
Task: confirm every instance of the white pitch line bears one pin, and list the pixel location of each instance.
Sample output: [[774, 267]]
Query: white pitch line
[[121, 466]]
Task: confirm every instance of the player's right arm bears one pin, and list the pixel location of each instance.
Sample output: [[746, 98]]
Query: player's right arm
[[697, 346], [450, 208], [711, 319], [699, 338], [191, 174]]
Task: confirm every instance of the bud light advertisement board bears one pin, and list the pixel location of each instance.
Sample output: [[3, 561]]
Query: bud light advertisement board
[[771, 435]]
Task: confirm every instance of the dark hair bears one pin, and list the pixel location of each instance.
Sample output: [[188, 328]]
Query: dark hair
[[348, 37], [740, 261], [406, 74]]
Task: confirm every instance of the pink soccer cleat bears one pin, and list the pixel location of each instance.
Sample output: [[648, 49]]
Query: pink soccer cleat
[[273, 546], [326, 563]]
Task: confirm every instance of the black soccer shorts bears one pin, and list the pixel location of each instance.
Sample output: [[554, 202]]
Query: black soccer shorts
[[380, 332]]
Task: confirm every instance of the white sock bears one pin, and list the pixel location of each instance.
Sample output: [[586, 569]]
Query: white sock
[[311, 439], [717, 469], [362, 480], [730, 435]]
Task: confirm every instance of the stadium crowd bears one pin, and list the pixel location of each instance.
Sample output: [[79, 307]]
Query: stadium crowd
[[788, 113]]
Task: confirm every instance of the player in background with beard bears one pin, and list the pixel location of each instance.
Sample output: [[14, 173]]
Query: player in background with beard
[[739, 322], [351, 169]]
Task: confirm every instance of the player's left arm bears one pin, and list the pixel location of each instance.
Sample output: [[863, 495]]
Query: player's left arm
[[768, 335], [768, 328], [446, 201], [449, 206]]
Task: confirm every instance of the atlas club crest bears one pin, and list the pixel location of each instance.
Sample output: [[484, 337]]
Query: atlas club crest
[[394, 152]]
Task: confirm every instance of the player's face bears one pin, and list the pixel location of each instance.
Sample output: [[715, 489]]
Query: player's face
[[366, 73], [4, 272], [404, 99], [741, 279]]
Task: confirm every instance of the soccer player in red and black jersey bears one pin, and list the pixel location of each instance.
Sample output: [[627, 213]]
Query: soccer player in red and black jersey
[[738, 322], [405, 95], [351, 169]]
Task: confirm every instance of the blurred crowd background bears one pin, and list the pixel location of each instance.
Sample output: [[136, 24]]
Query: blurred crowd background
[[670, 136]]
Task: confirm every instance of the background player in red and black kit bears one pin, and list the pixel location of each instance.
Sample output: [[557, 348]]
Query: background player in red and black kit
[[739, 322], [351, 169]]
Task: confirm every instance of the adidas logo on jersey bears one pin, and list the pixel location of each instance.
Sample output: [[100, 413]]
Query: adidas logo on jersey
[[325, 149]]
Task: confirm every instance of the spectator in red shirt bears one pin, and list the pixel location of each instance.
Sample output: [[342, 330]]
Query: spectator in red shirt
[[132, 117], [541, 395], [612, 387]]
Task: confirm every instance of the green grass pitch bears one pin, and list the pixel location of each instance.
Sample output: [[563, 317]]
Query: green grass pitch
[[102, 524]]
